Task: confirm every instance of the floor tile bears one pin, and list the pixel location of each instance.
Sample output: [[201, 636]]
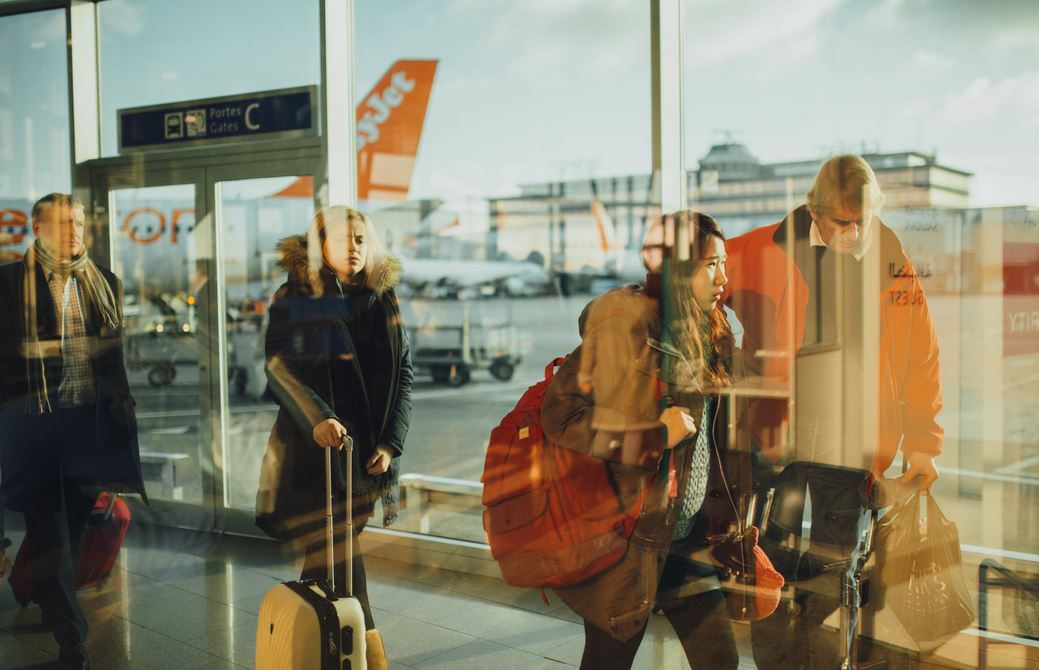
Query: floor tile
[[186, 600], [424, 605], [413, 642], [19, 651], [179, 615], [224, 664], [514, 628], [483, 654], [118, 644], [235, 642]]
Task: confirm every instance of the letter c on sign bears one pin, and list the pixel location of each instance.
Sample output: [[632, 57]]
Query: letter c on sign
[[248, 118]]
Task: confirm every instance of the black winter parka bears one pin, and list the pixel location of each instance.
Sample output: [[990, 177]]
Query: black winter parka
[[307, 341]]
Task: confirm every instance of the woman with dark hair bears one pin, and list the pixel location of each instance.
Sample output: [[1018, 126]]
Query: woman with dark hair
[[338, 363], [642, 393]]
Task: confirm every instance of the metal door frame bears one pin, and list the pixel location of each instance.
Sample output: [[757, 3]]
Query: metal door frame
[[204, 168]]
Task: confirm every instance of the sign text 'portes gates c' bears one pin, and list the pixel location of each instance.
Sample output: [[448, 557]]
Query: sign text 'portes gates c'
[[267, 114]]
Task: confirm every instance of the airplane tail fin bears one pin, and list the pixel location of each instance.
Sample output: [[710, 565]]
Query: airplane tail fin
[[604, 226], [389, 127]]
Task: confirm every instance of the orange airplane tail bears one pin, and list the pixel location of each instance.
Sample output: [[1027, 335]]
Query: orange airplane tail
[[604, 226], [389, 128]]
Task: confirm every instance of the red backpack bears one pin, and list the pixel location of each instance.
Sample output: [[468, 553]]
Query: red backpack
[[552, 515]]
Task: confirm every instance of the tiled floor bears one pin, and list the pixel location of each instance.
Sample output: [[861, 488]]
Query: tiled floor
[[190, 600]]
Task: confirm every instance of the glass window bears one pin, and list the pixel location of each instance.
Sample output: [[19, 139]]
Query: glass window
[[155, 52], [34, 121], [528, 194], [163, 293], [942, 106], [253, 215]]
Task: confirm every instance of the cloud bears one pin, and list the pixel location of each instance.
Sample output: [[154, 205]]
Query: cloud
[[550, 35], [124, 18], [885, 14], [932, 62], [1001, 29], [916, 108], [603, 35], [1016, 96], [790, 30]]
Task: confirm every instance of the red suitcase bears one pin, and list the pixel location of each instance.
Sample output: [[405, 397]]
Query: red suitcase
[[108, 523]]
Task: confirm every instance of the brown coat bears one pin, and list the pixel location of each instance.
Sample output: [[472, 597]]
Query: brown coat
[[619, 422]]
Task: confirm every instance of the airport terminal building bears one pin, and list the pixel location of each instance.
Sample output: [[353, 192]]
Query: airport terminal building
[[513, 157]]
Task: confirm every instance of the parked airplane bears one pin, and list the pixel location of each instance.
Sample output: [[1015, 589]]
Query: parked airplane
[[436, 278]]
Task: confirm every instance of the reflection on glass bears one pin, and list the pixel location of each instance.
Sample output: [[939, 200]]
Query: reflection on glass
[[34, 121], [152, 52], [155, 244], [498, 195], [963, 214], [253, 215]]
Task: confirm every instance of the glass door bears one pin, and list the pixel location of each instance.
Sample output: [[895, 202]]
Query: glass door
[[253, 211], [196, 248], [161, 248]]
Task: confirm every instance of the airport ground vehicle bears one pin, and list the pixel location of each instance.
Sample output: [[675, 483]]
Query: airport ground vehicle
[[450, 338]]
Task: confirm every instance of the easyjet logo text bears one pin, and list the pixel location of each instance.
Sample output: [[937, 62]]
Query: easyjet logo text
[[381, 106]]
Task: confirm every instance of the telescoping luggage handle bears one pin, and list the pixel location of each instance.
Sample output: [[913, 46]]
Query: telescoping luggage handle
[[348, 447]]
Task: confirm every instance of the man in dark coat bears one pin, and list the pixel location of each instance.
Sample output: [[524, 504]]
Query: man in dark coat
[[67, 424], [831, 279]]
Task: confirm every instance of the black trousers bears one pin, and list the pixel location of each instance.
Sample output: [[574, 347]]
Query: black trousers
[[314, 548], [701, 622], [794, 635], [55, 522], [54, 533]]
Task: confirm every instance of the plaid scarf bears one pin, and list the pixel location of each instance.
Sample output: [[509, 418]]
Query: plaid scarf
[[96, 291]]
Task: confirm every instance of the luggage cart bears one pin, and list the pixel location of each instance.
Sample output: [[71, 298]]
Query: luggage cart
[[993, 575], [158, 338], [450, 339], [161, 353]]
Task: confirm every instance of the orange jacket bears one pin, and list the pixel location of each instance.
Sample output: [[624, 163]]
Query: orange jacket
[[763, 282]]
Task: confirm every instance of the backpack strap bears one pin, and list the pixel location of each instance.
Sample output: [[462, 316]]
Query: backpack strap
[[550, 369]]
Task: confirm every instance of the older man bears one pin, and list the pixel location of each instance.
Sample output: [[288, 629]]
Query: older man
[[67, 424], [842, 308]]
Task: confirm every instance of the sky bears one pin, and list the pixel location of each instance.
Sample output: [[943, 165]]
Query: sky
[[560, 89]]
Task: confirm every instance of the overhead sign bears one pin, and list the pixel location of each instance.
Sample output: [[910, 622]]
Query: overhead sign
[[284, 113]]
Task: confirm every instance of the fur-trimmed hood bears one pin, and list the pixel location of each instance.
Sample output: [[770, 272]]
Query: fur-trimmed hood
[[294, 258]]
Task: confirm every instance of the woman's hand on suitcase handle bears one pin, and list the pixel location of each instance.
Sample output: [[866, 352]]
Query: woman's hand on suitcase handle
[[329, 434], [380, 460], [679, 423]]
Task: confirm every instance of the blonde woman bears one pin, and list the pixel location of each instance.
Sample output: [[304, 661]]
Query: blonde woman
[[338, 363]]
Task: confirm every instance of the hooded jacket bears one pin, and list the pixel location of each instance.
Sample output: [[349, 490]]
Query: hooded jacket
[[306, 342], [770, 296]]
